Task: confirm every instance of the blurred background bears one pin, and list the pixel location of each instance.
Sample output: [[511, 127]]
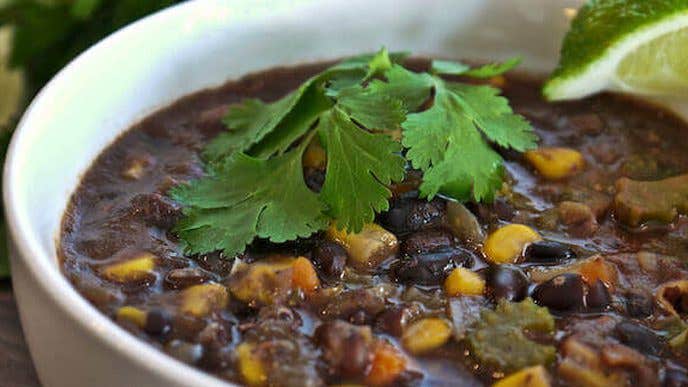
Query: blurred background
[[37, 39]]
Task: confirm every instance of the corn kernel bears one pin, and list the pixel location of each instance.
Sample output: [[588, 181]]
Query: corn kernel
[[462, 281], [368, 248], [261, 282], [199, 300], [506, 244], [131, 270], [314, 156], [528, 377], [556, 163], [386, 366], [250, 366], [303, 275], [426, 335], [133, 315]]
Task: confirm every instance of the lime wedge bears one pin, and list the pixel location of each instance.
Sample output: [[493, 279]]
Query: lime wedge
[[634, 46]]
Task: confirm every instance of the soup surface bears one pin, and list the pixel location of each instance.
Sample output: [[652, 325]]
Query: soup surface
[[598, 292]]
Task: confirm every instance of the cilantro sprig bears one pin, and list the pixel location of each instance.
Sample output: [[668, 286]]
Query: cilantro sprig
[[255, 187]]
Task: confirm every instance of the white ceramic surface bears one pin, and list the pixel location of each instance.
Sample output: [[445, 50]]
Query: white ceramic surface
[[183, 49]]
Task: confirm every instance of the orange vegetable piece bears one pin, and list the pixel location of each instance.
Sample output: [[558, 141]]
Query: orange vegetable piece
[[598, 269], [303, 275], [387, 364]]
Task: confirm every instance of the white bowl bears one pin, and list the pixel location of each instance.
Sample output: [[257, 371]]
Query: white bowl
[[155, 61]]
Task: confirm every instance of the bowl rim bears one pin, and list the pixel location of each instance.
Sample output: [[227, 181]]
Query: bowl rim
[[40, 263]]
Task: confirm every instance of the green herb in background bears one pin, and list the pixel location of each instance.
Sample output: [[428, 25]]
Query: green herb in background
[[47, 34], [255, 185]]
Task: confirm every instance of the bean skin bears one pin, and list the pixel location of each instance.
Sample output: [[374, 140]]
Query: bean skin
[[507, 282], [157, 322], [411, 214], [565, 292], [393, 320], [548, 252], [431, 268], [330, 259], [598, 296], [426, 241]]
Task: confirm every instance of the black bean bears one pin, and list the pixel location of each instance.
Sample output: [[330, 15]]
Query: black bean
[[329, 259], [393, 320], [315, 178], [431, 268], [423, 213], [639, 338], [565, 292], [675, 378], [185, 277], [639, 305], [410, 214], [507, 282], [548, 252], [426, 241], [395, 219], [598, 296], [216, 262], [157, 322]]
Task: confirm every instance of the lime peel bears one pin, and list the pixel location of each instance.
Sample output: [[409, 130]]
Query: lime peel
[[606, 32]]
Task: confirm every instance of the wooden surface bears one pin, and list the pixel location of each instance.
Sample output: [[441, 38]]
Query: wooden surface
[[16, 368]]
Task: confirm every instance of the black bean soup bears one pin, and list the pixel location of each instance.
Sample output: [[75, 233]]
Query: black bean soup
[[578, 270]]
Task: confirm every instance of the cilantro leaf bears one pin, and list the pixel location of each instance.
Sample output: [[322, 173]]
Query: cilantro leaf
[[413, 89], [492, 113], [444, 140], [263, 129], [370, 109], [343, 81], [354, 71], [251, 120], [448, 67], [359, 168], [368, 61], [295, 124], [493, 69], [245, 197], [379, 63], [247, 121]]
